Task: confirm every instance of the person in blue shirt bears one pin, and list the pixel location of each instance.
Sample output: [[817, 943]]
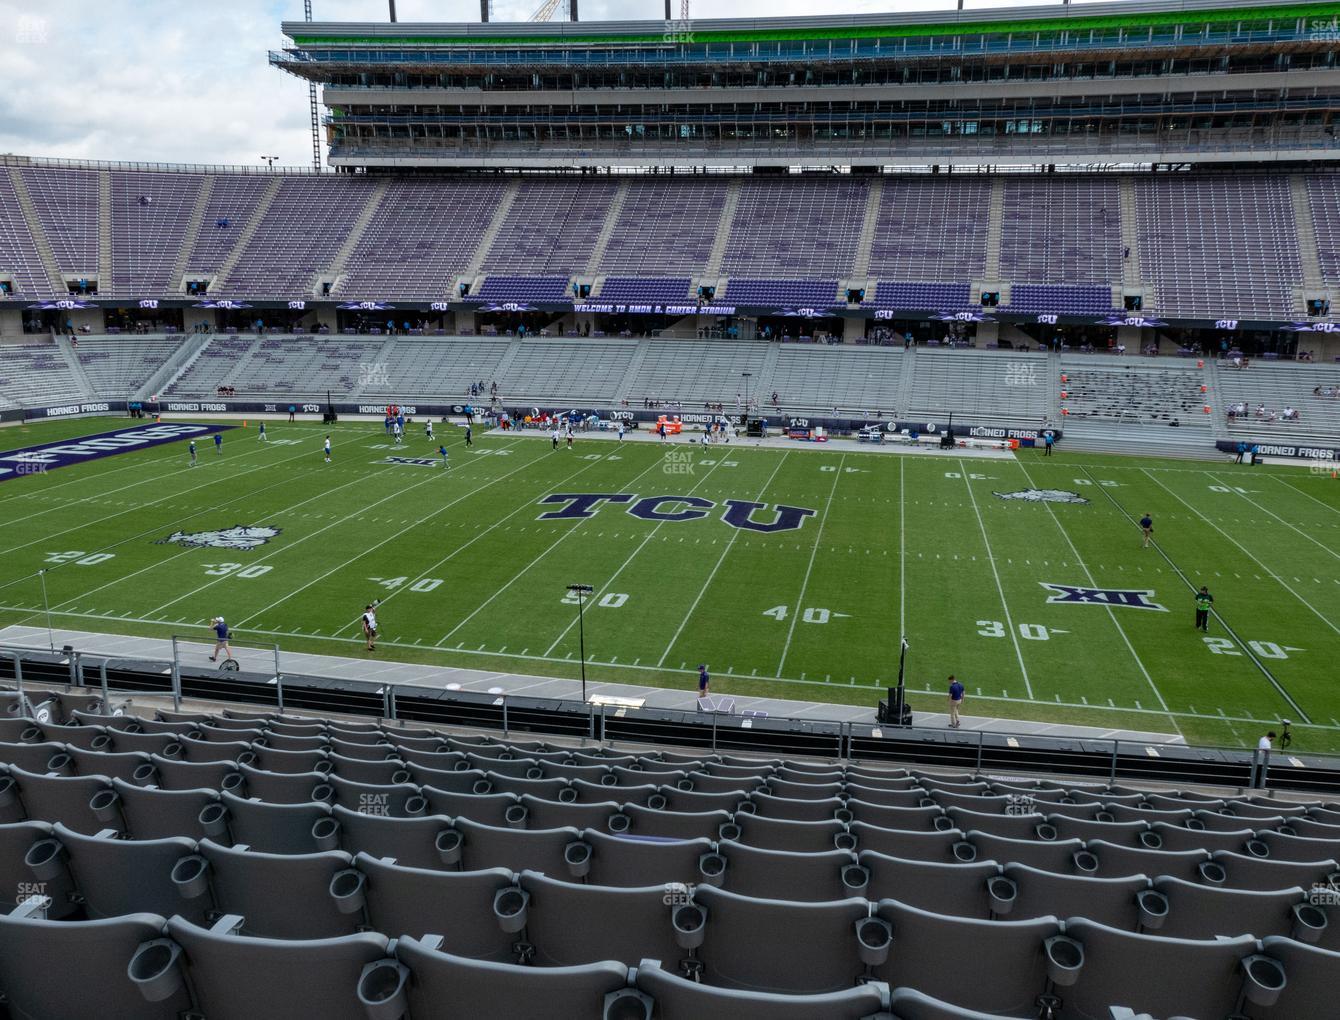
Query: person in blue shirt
[[1147, 526], [218, 443], [1048, 438], [703, 680], [955, 703], [192, 449], [446, 463], [261, 435], [220, 638]]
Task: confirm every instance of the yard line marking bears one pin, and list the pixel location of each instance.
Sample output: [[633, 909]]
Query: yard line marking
[[1301, 492], [545, 552], [142, 506], [795, 617], [427, 571], [334, 523], [1288, 525], [1284, 584], [1000, 589], [902, 553], [1270, 677], [1111, 613], [717, 566], [414, 524], [631, 556]]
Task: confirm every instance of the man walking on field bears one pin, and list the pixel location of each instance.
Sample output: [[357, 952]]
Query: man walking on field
[[955, 702]]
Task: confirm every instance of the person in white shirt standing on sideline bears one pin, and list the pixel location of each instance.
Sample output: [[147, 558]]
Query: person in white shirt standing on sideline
[[621, 430], [395, 431], [553, 438], [428, 430], [370, 625], [327, 449]]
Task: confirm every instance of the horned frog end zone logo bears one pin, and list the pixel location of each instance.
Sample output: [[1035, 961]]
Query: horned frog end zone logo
[[239, 537], [1044, 496]]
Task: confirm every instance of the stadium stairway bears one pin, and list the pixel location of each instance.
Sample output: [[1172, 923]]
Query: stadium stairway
[[76, 369]]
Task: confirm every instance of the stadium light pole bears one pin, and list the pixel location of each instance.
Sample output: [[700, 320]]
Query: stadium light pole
[[270, 161], [581, 591], [747, 377], [902, 696]]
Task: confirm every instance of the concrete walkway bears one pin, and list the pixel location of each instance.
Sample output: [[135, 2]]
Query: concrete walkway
[[261, 661]]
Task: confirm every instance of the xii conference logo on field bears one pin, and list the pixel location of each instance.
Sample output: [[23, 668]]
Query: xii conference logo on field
[[1137, 598]]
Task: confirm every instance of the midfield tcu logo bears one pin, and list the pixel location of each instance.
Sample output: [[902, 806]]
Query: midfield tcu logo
[[1138, 599], [739, 513], [240, 537]]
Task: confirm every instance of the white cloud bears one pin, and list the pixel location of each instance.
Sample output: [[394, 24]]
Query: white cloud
[[159, 80]]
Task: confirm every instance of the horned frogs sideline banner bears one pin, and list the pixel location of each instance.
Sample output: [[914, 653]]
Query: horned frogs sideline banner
[[35, 460]]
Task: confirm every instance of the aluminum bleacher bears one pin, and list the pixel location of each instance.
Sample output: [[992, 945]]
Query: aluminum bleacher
[[820, 377], [1273, 388], [1116, 389], [997, 386], [32, 375], [695, 371], [117, 368]]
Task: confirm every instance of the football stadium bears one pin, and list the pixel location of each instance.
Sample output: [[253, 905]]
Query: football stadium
[[848, 505]]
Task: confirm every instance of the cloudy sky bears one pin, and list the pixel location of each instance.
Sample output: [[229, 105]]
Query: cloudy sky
[[163, 80]]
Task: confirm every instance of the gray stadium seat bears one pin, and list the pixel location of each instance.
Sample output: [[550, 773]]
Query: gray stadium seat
[[50, 970], [385, 772], [781, 875], [776, 834], [553, 814], [933, 952], [1266, 873], [83, 803], [287, 896], [171, 774], [118, 876], [1022, 826], [1295, 848], [546, 850], [647, 821], [1152, 974], [18, 881], [1197, 911], [400, 800], [900, 797], [633, 860], [1312, 977], [767, 806], [412, 842], [569, 924], [545, 789], [1178, 837], [677, 998], [108, 764], [1112, 901], [1115, 861], [280, 787], [238, 976], [1070, 827], [40, 758], [906, 819], [928, 846], [160, 814], [276, 828], [459, 906], [446, 987], [484, 808], [910, 1004], [943, 887], [769, 945]]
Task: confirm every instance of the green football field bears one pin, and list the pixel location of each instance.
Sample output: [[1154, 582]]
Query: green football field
[[1046, 610]]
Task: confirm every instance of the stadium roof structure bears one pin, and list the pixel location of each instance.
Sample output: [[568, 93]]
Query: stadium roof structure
[[1197, 81]]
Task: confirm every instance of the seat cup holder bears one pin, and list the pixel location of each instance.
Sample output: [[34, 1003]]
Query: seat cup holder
[[515, 816], [1066, 800], [1002, 892], [1153, 907], [144, 775], [567, 795], [191, 876], [247, 758], [964, 852], [1085, 862], [942, 823], [1309, 923], [510, 906], [30, 735], [323, 793], [381, 990], [482, 787], [1104, 816], [1065, 959], [233, 782], [1151, 840], [535, 773], [60, 763], [104, 805], [844, 816], [213, 819], [46, 859], [657, 802], [609, 779], [627, 1004], [688, 919], [728, 831], [1287, 830], [845, 840], [155, 970], [874, 935], [684, 784], [747, 807], [326, 834], [1212, 873], [1257, 848], [1045, 832], [1264, 979], [101, 742], [401, 776], [927, 802], [712, 869], [1194, 824], [855, 879], [618, 823], [460, 766], [348, 888], [448, 845], [172, 750], [577, 856], [415, 806], [505, 756]]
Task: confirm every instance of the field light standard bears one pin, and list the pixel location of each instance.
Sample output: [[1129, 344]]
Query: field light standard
[[270, 161], [51, 641], [747, 377], [900, 700], [581, 591]]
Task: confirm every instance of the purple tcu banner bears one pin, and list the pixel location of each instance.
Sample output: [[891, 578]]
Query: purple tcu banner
[[34, 460]]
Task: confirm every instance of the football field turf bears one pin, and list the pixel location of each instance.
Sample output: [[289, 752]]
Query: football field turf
[[1046, 610]]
